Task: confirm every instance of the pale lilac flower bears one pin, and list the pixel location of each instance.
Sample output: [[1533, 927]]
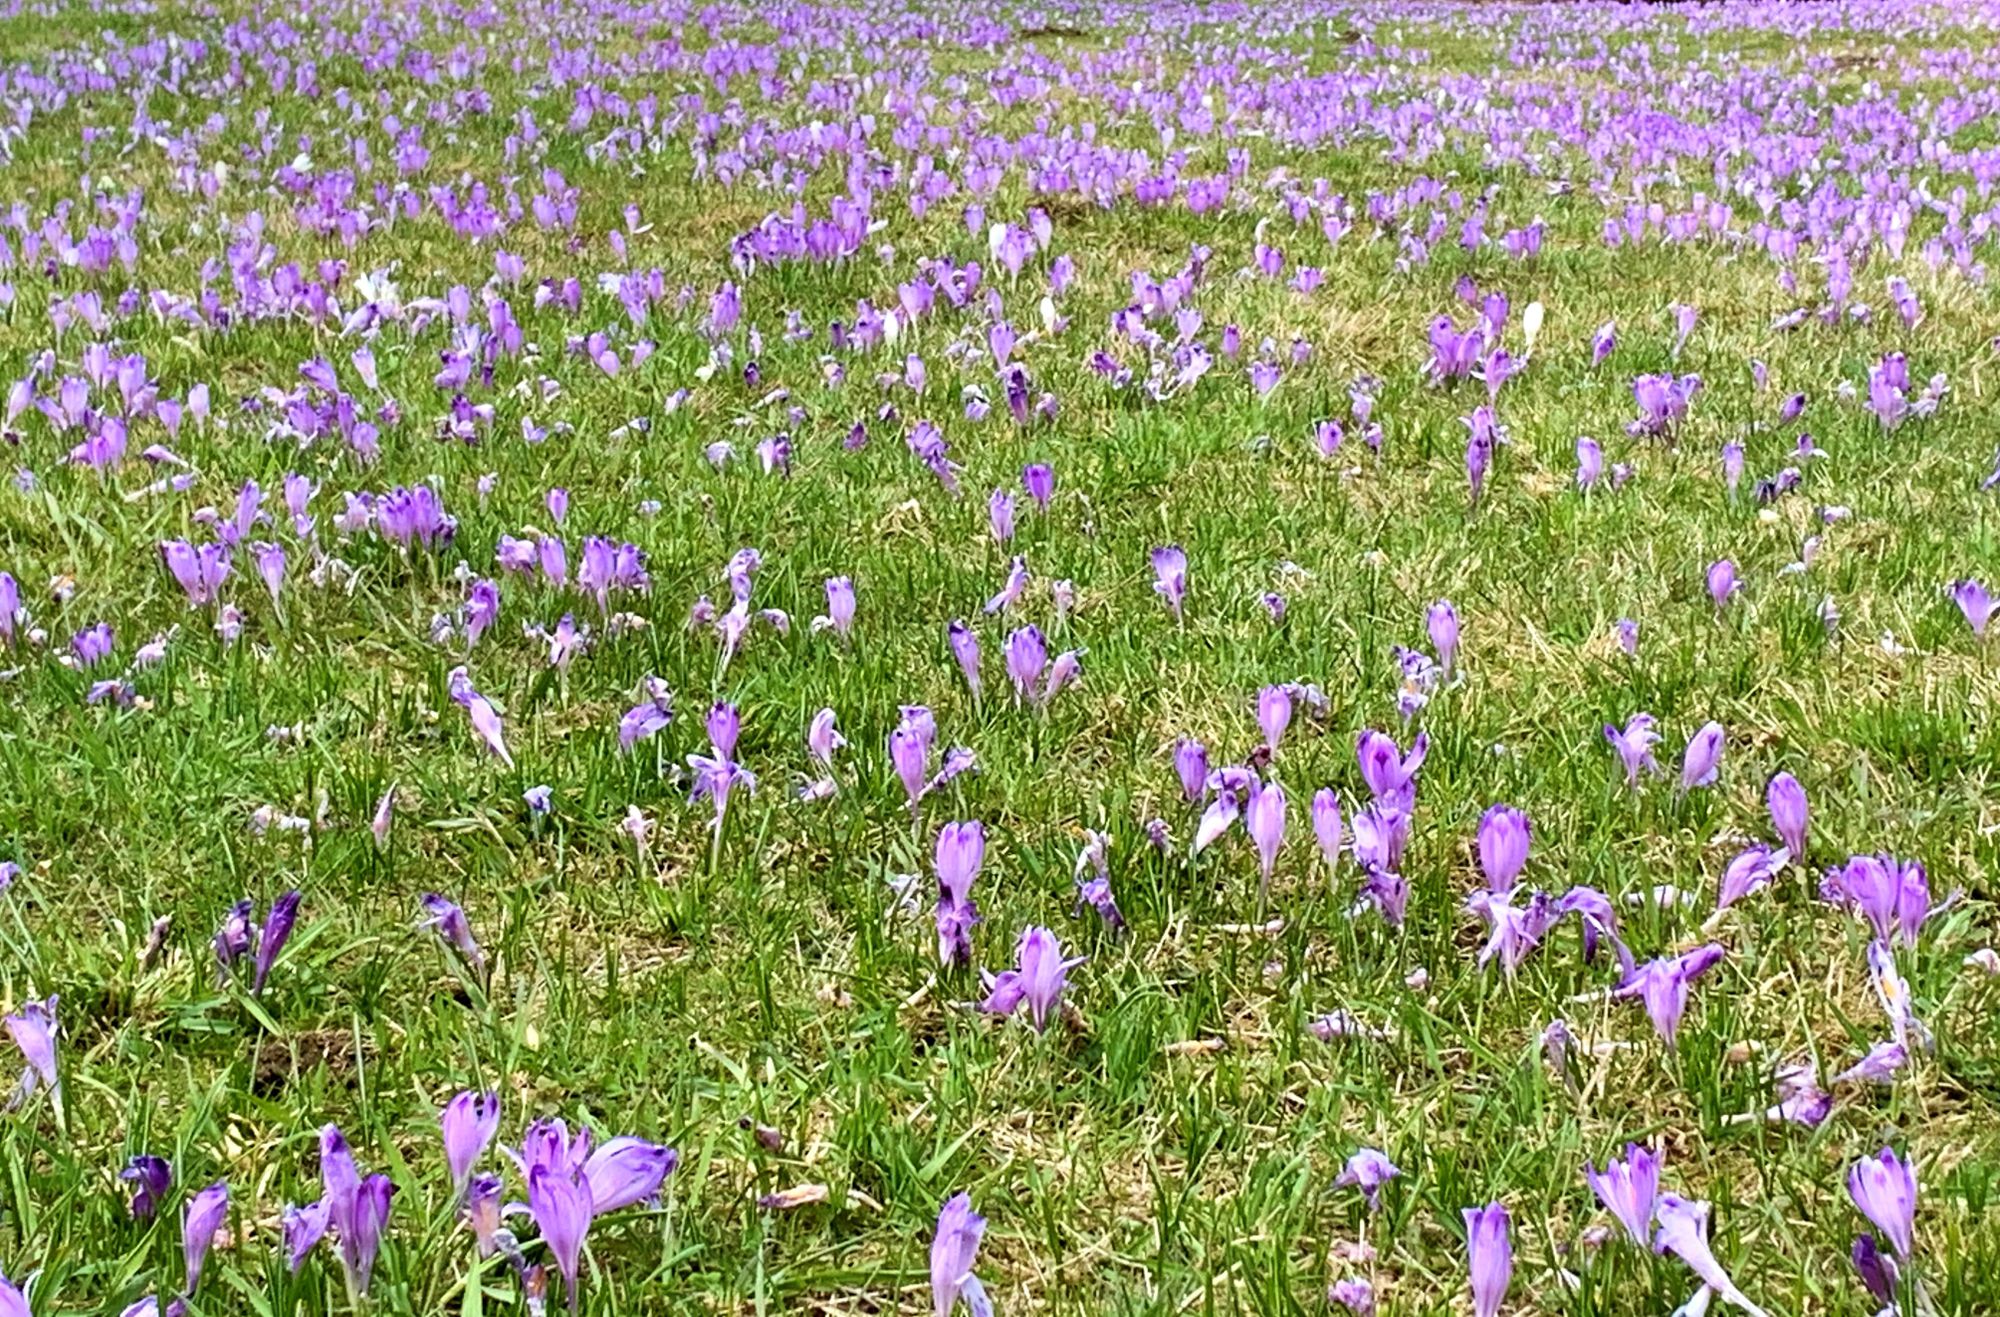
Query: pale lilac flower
[[1884, 1189], [1491, 1257], [1635, 745], [954, 1251], [1702, 758], [1975, 603], [1629, 1189], [1264, 819], [199, 1224], [1037, 980], [1683, 1231], [1662, 985], [468, 1123], [1274, 714], [1504, 835], [1786, 800], [1170, 576], [1367, 1170]]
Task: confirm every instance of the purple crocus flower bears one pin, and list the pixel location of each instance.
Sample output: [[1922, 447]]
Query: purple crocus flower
[[1354, 1294], [34, 1031], [1491, 1256], [468, 1123], [1589, 463], [1880, 1066], [1264, 819], [1504, 835], [357, 1208], [559, 1201], [1635, 745], [1722, 582], [1274, 714], [1877, 1273], [965, 649], [1326, 823], [1040, 482], [199, 1224], [1884, 1189], [198, 571], [961, 850], [624, 1171], [840, 605], [1441, 621], [1000, 516], [1039, 975], [954, 1250], [1170, 576], [150, 1178], [1662, 985], [1512, 931], [1390, 774], [1627, 632], [303, 1228], [1702, 758], [1790, 814], [485, 718], [1027, 655], [1683, 1231], [1629, 1189], [1595, 914], [1603, 342], [647, 718], [1751, 870], [1367, 1170], [448, 921], [271, 939], [1191, 763], [1975, 603]]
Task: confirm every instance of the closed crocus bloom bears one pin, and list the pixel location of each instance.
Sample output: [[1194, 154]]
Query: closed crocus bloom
[[823, 737], [1629, 1189], [1504, 835], [1191, 765], [1040, 482], [1603, 342], [1702, 758], [1589, 463], [624, 1171], [1264, 819], [559, 1201], [14, 1299], [484, 717], [1683, 1231], [840, 604], [199, 1223], [277, 930], [468, 1123], [1274, 713], [1441, 621], [1975, 603], [909, 755], [1327, 824], [1000, 516], [383, 819], [1491, 1256], [1877, 1272], [1170, 576], [965, 649], [954, 1251], [1789, 813], [1884, 1189], [1722, 583]]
